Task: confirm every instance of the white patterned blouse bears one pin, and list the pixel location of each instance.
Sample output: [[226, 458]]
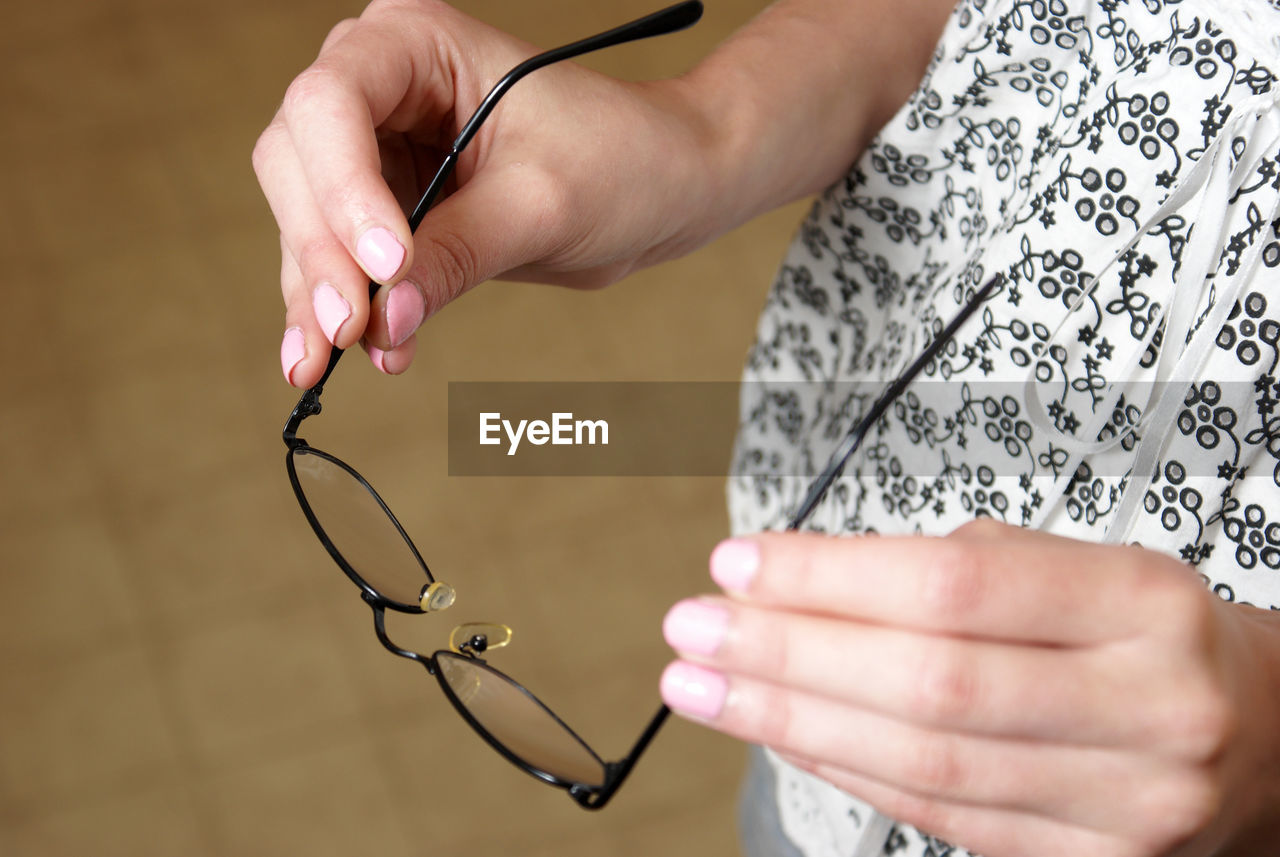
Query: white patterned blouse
[[1119, 163]]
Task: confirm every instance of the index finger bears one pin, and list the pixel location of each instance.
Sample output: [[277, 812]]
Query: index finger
[[991, 582], [375, 75]]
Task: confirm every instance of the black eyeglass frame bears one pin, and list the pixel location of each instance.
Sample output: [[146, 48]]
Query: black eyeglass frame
[[588, 796], [668, 20]]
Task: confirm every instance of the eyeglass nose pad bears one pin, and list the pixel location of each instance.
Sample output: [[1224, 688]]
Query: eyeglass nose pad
[[437, 596], [477, 637]]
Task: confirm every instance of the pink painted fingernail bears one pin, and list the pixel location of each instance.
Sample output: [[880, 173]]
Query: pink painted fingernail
[[292, 349], [695, 627], [734, 564], [378, 357], [405, 311], [331, 309], [380, 253], [694, 690]]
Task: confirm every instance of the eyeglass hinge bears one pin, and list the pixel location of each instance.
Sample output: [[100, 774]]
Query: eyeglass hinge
[[308, 406], [595, 797]]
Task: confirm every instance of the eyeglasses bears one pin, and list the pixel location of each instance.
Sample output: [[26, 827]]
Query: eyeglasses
[[368, 543]]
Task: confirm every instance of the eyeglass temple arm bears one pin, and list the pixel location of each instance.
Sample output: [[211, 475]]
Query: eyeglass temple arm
[[854, 438], [618, 771], [589, 798], [668, 20]]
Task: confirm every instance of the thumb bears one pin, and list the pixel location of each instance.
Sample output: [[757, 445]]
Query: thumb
[[503, 218]]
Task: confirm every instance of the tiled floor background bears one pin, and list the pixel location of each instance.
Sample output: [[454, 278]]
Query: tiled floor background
[[183, 671]]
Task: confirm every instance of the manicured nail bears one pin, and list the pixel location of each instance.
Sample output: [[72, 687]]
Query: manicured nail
[[405, 311], [380, 253], [379, 358], [695, 627], [331, 309], [694, 690], [292, 349], [734, 564]]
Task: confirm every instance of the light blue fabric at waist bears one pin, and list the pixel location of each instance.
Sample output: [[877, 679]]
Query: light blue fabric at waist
[[759, 829]]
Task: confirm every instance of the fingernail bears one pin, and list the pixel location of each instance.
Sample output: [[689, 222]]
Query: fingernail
[[380, 253], [695, 627], [292, 349], [694, 690], [734, 564], [379, 358], [405, 311], [332, 310]]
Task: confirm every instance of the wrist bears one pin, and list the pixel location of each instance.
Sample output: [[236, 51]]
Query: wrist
[[698, 200], [776, 113], [776, 135], [730, 158], [1254, 812], [789, 103]]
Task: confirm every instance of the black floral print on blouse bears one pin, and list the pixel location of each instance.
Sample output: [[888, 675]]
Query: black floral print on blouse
[[1042, 144]]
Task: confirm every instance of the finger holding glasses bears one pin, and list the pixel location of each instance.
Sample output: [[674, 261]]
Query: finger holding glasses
[[1003, 688], [577, 182]]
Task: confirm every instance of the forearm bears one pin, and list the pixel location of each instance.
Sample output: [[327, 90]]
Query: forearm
[[792, 99]]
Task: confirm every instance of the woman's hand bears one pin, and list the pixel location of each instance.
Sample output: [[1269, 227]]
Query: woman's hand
[[575, 179], [1015, 692]]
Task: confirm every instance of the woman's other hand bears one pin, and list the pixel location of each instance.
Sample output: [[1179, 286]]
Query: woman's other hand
[[1008, 690]]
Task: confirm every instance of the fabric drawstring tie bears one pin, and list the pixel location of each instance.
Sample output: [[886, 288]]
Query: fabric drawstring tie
[[1183, 349]]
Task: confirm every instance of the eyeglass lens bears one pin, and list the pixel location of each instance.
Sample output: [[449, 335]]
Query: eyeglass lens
[[518, 722], [359, 527]]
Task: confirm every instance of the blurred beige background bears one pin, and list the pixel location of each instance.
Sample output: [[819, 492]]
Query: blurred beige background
[[185, 672]]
